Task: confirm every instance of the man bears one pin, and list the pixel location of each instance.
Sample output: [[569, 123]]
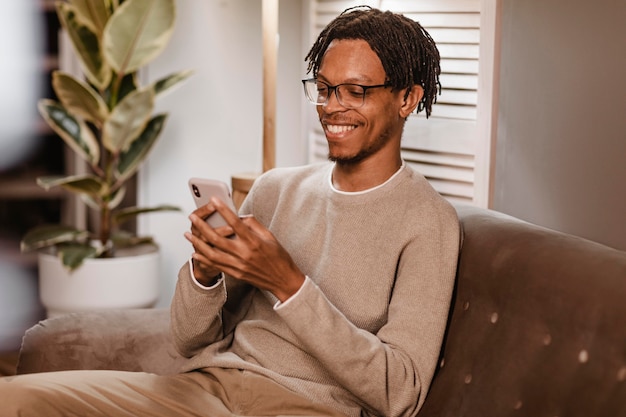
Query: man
[[329, 294], [346, 300]]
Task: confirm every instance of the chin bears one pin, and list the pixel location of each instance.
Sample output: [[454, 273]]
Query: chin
[[347, 159]]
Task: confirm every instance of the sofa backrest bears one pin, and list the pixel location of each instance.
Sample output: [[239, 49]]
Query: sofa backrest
[[537, 328]]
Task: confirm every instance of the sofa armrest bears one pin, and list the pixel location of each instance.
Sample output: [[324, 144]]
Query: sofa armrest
[[128, 340]]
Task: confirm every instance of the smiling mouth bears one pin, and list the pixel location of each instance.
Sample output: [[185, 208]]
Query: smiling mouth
[[337, 129]]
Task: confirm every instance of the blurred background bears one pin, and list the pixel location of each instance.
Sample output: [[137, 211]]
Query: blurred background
[[28, 49]]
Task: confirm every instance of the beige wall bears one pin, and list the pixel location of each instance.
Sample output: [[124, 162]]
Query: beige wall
[[561, 141]]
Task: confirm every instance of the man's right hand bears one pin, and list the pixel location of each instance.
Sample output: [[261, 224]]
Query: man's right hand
[[203, 270]]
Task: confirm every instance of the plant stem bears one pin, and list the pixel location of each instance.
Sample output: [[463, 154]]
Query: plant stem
[[105, 224]]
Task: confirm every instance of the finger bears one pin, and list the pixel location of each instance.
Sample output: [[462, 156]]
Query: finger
[[205, 210], [253, 224], [202, 212], [231, 218], [215, 238], [202, 230], [204, 252]]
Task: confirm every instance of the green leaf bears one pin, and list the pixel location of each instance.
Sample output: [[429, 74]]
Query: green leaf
[[49, 235], [90, 201], [79, 98], [124, 239], [171, 80], [86, 44], [130, 160], [127, 120], [95, 12], [73, 256], [128, 213], [85, 184], [116, 198], [137, 32], [73, 131], [128, 85]]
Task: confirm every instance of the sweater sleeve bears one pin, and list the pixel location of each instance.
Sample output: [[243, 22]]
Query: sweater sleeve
[[201, 316], [389, 372], [196, 319]]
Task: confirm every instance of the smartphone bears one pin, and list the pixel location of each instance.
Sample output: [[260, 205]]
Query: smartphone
[[202, 189]]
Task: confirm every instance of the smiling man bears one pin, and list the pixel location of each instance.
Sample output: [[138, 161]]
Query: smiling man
[[328, 295], [339, 282]]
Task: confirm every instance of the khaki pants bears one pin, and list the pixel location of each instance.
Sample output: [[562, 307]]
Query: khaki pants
[[214, 393]]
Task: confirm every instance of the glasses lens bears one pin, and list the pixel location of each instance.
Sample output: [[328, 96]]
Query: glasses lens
[[350, 95], [315, 92]]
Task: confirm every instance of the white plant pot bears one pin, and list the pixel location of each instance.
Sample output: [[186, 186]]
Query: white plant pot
[[113, 283]]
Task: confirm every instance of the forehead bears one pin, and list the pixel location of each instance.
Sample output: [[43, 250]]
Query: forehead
[[351, 60]]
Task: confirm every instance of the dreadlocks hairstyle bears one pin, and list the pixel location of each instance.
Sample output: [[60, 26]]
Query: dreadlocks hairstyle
[[408, 53]]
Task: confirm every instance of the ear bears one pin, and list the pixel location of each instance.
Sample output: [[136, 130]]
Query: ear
[[411, 101]]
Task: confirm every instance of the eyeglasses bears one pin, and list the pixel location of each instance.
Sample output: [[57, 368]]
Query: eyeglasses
[[350, 96]]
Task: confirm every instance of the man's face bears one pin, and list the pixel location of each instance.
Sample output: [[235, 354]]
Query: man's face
[[354, 135]]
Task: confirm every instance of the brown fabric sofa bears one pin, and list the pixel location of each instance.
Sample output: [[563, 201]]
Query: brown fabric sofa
[[537, 328]]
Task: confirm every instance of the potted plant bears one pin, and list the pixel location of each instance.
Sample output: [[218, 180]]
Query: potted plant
[[107, 120]]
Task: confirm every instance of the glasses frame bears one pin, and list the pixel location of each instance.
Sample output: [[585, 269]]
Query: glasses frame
[[332, 88]]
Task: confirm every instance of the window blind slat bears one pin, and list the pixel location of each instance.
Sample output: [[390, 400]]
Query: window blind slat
[[443, 172], [459, 81], [459, 66], [442, 20], [467, 98], [458, 51], [441, 136], [429, 6], [455, 35]]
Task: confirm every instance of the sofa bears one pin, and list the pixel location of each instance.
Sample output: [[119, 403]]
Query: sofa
[[537, 328]]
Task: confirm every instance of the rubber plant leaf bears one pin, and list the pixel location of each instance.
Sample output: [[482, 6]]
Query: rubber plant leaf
[[86, 44], [137, 32], [90, 201], [165, 83], [73, 256], [129, 213], [127, 86], [96, 12], [79, 98], [49, 235], [130, 161], [127, 120], [123, 239], [72, 130], [85, 184], [115, 199]]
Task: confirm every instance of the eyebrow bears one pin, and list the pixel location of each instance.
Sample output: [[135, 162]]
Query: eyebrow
[[351, 80]]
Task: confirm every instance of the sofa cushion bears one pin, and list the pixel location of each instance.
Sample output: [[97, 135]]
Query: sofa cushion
[[538, 325]]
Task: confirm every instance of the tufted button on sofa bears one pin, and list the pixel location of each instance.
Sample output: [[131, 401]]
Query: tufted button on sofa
[[537, 328]]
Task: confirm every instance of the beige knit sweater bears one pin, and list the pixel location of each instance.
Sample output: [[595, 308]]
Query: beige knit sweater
[[365, 330]]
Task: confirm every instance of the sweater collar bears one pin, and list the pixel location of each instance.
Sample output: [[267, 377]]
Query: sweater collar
[[362, 192]]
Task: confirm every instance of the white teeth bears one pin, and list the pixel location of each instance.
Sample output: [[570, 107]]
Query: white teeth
[[338, 128]]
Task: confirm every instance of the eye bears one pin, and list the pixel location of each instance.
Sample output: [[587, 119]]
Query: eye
[[353, 90], [322, 89]]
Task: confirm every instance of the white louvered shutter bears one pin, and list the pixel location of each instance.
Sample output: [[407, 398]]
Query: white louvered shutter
[[443, 148]]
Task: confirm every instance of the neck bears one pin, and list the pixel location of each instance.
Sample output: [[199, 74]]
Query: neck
[[364, 175]]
